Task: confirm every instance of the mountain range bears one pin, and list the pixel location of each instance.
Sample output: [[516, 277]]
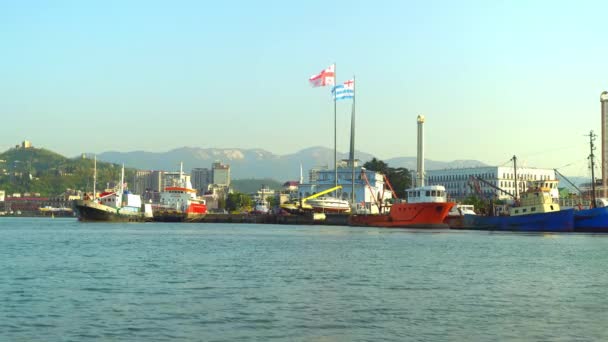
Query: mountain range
[[258, 163]]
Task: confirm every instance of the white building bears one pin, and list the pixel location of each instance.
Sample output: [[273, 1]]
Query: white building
[[147, 180], [460, 183], [368, 195]]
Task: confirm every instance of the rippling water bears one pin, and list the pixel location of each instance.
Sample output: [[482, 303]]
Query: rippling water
[[61, 280]]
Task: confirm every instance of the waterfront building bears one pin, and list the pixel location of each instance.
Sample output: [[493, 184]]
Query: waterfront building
[[147, 180], [201, 179], [174, 178], [460, 183], [365, 195], [2, 195], [221, 174]]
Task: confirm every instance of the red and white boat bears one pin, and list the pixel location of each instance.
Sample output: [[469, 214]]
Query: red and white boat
[[179, 204], [426, 206]]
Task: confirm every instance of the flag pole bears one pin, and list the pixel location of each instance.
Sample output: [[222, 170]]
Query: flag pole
[[335, 134], [352, 144]]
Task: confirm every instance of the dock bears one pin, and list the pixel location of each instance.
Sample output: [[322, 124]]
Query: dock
[[308, 219]]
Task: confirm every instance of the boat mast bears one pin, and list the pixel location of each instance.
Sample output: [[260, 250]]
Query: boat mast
[[515, 176], [352, 145], [335, 134], [181, 172], [591, 159], [94, 177], [603, 101], [122, 180]]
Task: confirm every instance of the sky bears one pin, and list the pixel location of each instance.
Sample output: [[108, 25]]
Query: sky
[[493, 78]]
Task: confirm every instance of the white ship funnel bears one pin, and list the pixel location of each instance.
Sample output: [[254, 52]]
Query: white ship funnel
[[420, 152]]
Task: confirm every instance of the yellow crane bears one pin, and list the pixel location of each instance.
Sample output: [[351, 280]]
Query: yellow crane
[[300, 205]]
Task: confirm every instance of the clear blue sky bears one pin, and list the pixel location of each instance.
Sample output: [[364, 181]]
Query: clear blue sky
[[493, 78]]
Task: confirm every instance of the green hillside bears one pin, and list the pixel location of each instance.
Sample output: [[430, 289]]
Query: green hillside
[[37, 170]]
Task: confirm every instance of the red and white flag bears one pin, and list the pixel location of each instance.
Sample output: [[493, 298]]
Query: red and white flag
[[326, 77]]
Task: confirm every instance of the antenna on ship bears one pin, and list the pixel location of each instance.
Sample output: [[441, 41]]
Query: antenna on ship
[[122, 179], [515, 176], [592, 161], [181, 172], [94, 177]]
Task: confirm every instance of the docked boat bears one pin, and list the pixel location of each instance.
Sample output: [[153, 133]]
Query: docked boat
[[328, 204], [261, 207], [302, 205], [593, 220], [426, 207], [112, 206], [455, 216], [179, 204], [537, 211]]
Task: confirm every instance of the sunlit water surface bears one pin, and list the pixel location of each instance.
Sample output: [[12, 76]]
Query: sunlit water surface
[[61, 280]]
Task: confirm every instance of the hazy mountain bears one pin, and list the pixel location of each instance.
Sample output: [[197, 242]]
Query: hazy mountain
[[410, 163], [257, 163]]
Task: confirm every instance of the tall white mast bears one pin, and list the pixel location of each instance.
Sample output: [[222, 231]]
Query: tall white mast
[[301, 175], [94, 177], [335, 134], [182, 183], [420, 157], [122, 180]]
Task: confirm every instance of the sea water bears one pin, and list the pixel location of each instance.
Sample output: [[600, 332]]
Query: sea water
[[62, 280]]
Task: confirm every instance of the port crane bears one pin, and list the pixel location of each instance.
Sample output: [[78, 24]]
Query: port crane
[[298, 206], [378, 201]]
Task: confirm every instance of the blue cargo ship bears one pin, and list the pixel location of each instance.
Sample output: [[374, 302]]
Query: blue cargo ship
[[594, 220], [537, 211], [556, 221]]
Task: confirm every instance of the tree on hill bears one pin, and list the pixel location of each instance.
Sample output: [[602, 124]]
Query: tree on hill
[[41, 171], [400, 177]]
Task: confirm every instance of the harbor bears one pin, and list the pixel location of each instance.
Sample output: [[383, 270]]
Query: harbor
[[530, 204]]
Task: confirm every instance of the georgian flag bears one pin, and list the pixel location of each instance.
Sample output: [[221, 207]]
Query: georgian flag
[[326, 77], [344, 91]]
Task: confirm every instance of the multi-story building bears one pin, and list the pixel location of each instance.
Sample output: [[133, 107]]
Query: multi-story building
[[221, 174], [146, 180], [461, 183], [201, 179]]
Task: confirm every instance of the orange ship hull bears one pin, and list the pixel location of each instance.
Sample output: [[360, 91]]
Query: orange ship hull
[[407, 215]]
